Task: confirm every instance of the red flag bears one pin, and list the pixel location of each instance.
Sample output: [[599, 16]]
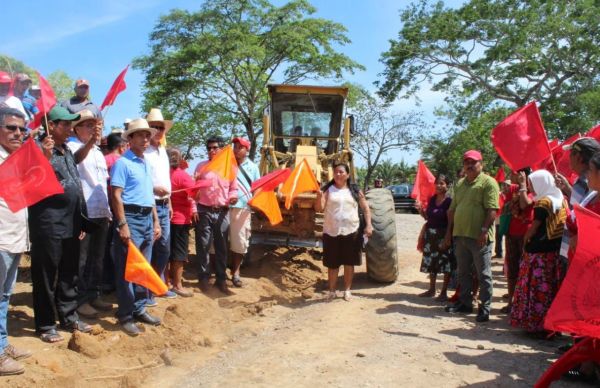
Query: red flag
[[46, 102], [587, 349], [500, 175], [576, 308], [424, 187], [594, 132], [520, 139], [26, 177], [117, 87], [271, 180]]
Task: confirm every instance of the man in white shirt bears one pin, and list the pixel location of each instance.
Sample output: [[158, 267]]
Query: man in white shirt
[[91, 166], [157, 158], [13, 241]]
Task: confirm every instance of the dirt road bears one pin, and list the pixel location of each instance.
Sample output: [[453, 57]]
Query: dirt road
[[386, 337], [278, 332]]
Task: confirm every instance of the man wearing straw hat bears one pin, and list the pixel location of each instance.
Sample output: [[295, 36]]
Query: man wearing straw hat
[[93, 173], [157, 157], [135, 219]]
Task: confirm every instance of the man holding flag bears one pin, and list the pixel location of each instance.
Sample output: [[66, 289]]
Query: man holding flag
[[13, 241], [470, 221], [135, 220], [239, 214], [212, 224]]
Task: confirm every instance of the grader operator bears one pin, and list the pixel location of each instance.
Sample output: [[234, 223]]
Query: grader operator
[[307, 122]]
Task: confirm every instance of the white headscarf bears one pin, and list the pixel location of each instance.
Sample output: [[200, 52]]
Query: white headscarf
[[544, 186]]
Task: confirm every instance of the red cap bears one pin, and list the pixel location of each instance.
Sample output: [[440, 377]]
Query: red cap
[[243, 142], [81, 82], [472, 154], [5, 78]]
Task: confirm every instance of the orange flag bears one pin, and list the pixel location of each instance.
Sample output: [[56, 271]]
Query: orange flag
[[300, 180], [139, 271], [223, 164], [266, 202]]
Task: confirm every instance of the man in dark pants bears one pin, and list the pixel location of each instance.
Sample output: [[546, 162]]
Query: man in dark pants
[[135, 219], [471, 222], [212, 223], [55, 225]]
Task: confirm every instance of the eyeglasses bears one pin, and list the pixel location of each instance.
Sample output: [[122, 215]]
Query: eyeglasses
[[14, 128], [212, 148], [158, 127]]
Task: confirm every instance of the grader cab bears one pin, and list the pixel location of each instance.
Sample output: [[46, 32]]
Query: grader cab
[[308, 122]]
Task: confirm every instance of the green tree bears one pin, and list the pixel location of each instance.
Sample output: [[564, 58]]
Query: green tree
[[443, 153], [13, 66], [507, 52], [378, 129], [214, 64], [62, 84]]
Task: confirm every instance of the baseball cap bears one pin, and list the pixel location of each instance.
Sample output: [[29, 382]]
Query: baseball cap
[[22, 77], [584, 145], [243, 142], [472, 154], [81, 82], [59, 113], [5, 78]]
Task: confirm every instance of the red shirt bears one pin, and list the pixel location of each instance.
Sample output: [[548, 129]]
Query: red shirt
[[110, 160], [520, 219], [183, 205]]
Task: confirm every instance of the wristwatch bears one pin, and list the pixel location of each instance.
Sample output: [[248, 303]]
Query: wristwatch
[[121, 223]]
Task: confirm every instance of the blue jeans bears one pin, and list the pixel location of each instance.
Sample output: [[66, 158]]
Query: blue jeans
[[162, 247], [131, 297], [9, 263]]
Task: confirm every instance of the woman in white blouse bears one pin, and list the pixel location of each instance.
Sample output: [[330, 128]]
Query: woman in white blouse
[[339, 200]]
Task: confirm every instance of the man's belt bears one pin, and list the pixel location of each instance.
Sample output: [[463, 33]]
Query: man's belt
[[162, 202], [212, 208], [144, 210]]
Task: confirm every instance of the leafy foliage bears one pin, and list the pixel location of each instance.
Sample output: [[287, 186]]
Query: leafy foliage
[[379, 130], [209, 69], [62, 84], [491, 53]]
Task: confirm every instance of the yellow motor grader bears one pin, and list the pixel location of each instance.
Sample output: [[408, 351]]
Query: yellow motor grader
[[308, 122]]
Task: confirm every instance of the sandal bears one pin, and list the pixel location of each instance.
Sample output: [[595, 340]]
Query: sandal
[[237, 281], [50, 336]]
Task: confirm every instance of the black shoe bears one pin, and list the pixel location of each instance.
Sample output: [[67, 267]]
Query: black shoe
[[458, 308], [130, 328], [482, 317], [147, 318], [224, 289]]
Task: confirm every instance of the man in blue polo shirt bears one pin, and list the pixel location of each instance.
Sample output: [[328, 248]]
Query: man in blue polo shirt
[[136, 220]]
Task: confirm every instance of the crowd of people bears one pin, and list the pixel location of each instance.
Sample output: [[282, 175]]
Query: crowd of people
[[536, 217], [124, 188], [129, 188]]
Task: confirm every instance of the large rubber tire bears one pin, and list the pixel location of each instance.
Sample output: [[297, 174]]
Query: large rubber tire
[[382, 248]]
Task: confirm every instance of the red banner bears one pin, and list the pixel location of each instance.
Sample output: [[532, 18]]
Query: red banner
[[424, 187], [26, 177], [520, 139], [117, 87]]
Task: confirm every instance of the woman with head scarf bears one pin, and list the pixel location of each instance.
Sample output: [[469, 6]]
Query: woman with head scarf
[[538, 279]]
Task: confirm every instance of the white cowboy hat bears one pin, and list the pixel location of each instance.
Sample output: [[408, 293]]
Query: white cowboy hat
[[155, 115], [84, 115], [137, 125]]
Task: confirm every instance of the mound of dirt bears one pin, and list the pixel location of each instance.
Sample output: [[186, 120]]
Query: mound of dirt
[[192, 330]]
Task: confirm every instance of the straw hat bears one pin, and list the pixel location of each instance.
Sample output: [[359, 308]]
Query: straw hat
[[137, 125], [84, 115], [155, 115]]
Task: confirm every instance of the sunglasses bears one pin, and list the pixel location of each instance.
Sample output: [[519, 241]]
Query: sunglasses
[[14, 128], [157, 127], [212, 148]]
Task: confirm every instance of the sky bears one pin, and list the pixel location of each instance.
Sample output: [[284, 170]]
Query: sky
[[95, 40]]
